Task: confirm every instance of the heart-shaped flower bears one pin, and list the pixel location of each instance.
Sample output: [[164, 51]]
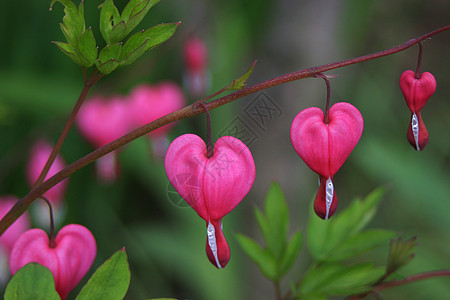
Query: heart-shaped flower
[[39, 154], [325, 147], [102, 121], [69, 260], [417, 91], [211, 186], [196, 75], [9, 237]]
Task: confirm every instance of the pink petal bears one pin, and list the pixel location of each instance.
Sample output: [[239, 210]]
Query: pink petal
[[69, 261], [195, 54], [217, 248], [417, 91], [40, 152]]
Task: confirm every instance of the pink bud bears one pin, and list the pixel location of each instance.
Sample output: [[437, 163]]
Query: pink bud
[[416, 93], [149, 103], [40, 152], [10, 236], [211, 186], [325, 147], [71, 258]]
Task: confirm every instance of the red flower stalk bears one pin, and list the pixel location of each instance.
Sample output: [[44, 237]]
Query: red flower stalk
[[325, 147], [212, 186], [417, 91]]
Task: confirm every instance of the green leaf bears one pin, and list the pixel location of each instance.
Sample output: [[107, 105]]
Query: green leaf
[[110, 281], [360, 243], [73, 20], [72, 53], [135, 11], [277, 217], [263, 258], [118, 32], [400, 254], [108, 58], [325, 235], [239, 83], [142, 41], [291, 253], [109, 15], [87, 47], [335, 279], [32, 282]]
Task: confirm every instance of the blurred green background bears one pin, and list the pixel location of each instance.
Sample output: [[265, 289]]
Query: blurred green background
[[165, 242]]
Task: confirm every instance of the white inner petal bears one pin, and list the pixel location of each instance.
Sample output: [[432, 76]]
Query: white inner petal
[[211, 232], [415, 129], [329, 192]]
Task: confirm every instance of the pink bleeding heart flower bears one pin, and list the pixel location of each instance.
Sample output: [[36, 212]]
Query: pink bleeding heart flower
[[417, 91], [102, 121], [325, 147], [148, 103], [211, 186], [39, 155], [195, 55], [69, 259], [10, 236]]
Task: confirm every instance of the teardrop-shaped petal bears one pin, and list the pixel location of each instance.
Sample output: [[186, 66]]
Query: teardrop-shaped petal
[[211, 186], [417, 91], [325, 203], [417, 133], [217, 248], [325, 147], [69, 260]]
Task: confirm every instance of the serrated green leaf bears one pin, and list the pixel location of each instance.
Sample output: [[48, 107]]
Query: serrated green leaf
[[87, 47], [277, 216], [108, 58], [142, 41], [72, 53], [32, 282], [240, 83], [135, 11], [291, 253], [109, 16], [110, 281], [325, 236], [265, 261], [360, 243], [73, 20]]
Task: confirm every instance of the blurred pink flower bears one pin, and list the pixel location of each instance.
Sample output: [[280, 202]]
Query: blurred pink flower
[[39, 155], [195, 55], [102, 121], [22, 224], [69, 260]]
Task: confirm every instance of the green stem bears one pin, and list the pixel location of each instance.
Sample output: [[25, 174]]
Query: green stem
[[189, 111]]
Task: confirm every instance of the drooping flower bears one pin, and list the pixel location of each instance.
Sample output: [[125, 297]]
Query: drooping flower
[[11, 234], [325, 147], [417, 91], [102, 121], [148, 103], [196, 77], [69, 259], [211, 186], [39, 155]]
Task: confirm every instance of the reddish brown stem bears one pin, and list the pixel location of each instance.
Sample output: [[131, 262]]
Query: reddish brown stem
[[87, 86], [209, 148], [190, 111], [326, 118], [419, 61]]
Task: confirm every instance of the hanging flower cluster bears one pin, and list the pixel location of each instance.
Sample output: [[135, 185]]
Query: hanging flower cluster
[[102, 120]]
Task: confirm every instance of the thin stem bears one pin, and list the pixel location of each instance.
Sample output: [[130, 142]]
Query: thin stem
[[209, 148], [277, 290], [393, 283], [87, 86], [419, 61], [189, 111], [52, 243], [326, 118]]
